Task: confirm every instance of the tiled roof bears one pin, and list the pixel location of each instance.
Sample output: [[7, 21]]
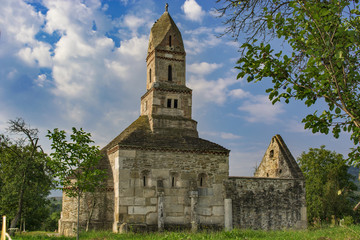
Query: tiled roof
[[139, 136]]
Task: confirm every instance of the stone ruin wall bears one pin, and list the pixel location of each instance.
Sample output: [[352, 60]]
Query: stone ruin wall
[[267, 203], [100, 203], [137, 204], [102, 216]]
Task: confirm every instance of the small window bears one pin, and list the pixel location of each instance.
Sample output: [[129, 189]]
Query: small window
[[169, 103], [169, 73], [145, 106], [150, 75], [267, 174], [202, 180], [272, 153], [173, 181], [175, 103], [144, 181], [169, 41]]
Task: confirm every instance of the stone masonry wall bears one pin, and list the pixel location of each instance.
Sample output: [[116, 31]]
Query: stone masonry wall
[[267, 203], [146, 175]]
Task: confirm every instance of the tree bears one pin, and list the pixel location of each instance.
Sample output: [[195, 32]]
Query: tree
[[24, 176], [323, 62], [328, 185], [75, 164]]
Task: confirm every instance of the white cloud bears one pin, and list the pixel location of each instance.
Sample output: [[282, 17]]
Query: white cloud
[[239, 93], [210, 91], [260, 109], [133, 22], [41, 80], [203, 68], [222, 135], [193, 11], [197, 40]]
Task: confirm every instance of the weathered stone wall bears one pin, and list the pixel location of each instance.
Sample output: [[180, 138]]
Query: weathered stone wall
[[144, 176], [102, 212], [267, 203], [99, 204]]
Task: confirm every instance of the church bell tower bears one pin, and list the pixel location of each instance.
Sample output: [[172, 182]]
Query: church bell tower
[[167, 101]]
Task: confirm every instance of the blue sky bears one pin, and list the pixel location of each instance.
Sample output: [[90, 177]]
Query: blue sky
[[82, 63]]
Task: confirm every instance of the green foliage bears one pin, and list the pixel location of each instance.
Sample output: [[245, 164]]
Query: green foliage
[[24, 177], [324, 37], [75, 164], [348, 220], [54, 209], [328, 184]]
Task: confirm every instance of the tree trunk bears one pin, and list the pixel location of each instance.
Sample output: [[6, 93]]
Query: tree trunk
[[91, 211], [78, 216], [15, 221]]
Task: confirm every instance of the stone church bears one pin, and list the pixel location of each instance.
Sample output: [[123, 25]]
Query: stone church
[[161, 175]]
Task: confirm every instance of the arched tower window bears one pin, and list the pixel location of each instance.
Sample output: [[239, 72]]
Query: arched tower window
[[169, 41], [169, 73], [150, 75]]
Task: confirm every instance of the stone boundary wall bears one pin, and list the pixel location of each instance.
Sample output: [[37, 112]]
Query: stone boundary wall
[[267, 203]]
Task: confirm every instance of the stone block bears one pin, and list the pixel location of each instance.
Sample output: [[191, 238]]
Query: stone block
[[151, 218], [139, 201], [141, 209], [205, 211], [160, 173], [169, 207], [206, 192], [218, 210], [127, 153], [123, 209], [174, 220], [149, 193], [127, 200]]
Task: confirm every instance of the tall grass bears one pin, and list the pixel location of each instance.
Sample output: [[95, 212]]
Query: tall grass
[[341, 233]]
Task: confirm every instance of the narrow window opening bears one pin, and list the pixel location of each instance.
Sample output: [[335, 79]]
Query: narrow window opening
[[169, 103], [173, 182], [175, 103], [144, 181], [201, 182], [150, 75], [267, 174], [272, 153], [169, 73], [280, 171], [169, 41]]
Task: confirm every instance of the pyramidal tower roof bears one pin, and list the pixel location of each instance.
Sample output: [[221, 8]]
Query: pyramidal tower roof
[[161, 28]]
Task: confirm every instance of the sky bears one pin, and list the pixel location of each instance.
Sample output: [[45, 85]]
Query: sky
[[72, 63]]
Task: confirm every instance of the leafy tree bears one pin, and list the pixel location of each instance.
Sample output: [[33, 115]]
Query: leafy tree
[[329, 186], [25, 179], [323, 61], [75, 164]]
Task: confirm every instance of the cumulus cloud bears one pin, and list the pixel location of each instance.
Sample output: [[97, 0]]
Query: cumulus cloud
[[239, 93], [260, 109], [203, 68], [193, 11], [210, 91], [197, 40]]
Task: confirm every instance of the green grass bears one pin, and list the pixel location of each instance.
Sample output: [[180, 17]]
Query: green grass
[[343, 233]]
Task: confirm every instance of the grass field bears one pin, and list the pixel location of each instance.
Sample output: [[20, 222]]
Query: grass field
[[343, 233]]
